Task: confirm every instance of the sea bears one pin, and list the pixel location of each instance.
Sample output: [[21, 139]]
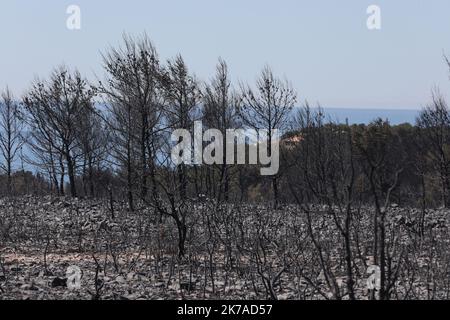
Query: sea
[[365, 115]]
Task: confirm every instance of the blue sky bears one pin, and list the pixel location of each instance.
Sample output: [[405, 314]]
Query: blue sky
[[322, 46]]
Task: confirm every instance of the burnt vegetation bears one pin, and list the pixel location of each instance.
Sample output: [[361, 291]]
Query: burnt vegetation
[[87, 180]]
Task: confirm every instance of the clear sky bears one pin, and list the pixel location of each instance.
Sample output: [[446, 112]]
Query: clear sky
[[322, 46]]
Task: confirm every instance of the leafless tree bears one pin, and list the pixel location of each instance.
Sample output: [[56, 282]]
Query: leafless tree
[[219, 112], [434, 120], [93, 138], [325, 161], [131, 94], [182, 96], [267, 107], [54, 111], [11, 134], [382, 159]]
